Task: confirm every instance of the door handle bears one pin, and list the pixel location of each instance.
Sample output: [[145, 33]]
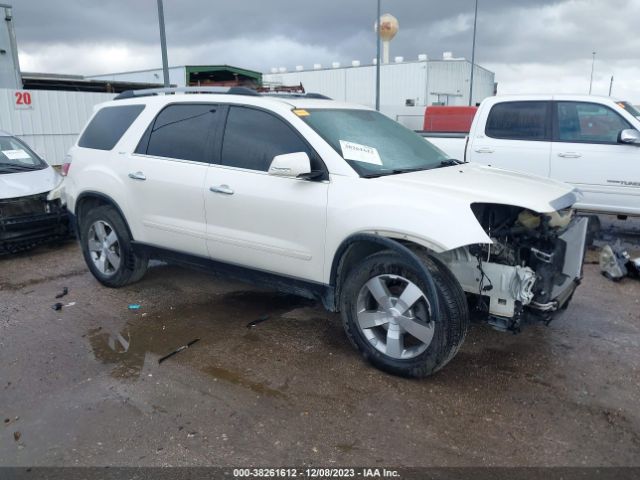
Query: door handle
[[225, 189], [484, 150], [137, 176], [569, 155]]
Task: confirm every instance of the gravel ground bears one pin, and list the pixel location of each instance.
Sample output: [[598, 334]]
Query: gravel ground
[[83, 386]]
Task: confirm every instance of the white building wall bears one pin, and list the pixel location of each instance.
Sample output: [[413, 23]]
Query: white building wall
[[424, 82], [398, 82], [52, 123], [177, 76]]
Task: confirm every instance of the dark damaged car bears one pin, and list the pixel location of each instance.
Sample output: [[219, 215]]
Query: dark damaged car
[[31, 212]]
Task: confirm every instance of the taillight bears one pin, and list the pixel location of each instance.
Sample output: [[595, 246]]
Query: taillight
[[64, 171]]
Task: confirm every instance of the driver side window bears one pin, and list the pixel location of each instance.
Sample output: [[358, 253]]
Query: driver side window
[[588, 123], [253, 137]]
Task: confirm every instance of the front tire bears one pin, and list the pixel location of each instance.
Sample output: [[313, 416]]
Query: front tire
[[388, 317], [106, 246]]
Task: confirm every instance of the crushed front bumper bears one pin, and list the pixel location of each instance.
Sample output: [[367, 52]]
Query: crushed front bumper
[[26, 222], [575, 239]]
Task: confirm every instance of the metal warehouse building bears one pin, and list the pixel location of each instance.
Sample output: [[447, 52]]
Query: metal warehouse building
[[406, 87], [189, 75]]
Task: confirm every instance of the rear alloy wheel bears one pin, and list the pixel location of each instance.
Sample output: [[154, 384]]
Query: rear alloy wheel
[[106, 246], [389, 313]]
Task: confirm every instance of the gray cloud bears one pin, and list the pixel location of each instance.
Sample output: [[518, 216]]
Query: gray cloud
[[119, 34]]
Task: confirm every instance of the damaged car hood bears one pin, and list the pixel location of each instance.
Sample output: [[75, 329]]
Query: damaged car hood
[[474, 183], [22, 184]]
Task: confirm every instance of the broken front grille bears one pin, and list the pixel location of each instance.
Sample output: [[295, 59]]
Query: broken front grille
[[24, 206]]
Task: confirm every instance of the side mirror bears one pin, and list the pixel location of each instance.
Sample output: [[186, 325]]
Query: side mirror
[[629, 136], [292, 165]]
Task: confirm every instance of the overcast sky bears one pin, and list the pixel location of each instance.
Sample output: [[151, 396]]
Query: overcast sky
[[533, 46]]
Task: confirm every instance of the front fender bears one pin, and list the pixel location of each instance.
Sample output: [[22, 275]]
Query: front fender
[[437, 222], [376, 243]]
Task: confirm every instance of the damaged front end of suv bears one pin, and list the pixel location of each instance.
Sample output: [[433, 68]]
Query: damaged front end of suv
[[529, 271], [26, 222]]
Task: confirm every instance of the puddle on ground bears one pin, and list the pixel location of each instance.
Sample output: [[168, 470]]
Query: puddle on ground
[[161, 332]]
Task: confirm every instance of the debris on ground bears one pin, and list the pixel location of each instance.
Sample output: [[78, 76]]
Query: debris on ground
[[616, 263], [57, 306], [16, 436], [263, 318], [134, 306], [178, 350], [65, 291]]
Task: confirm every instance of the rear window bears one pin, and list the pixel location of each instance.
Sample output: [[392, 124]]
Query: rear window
[[108, 125], [181, 131], [519, 121]]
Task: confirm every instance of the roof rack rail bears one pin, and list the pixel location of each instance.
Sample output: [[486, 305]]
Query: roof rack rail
[[318, 96], [147, 92]]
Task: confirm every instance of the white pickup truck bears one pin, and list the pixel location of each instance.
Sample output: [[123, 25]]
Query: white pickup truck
[[588, 141]]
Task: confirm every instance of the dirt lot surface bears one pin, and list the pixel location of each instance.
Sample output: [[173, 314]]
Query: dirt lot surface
[[83, 386]]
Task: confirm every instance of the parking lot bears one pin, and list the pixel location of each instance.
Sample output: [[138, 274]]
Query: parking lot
[[83, 386]]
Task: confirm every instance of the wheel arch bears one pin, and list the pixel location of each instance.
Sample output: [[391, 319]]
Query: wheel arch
[[90, 200], [357, 247]]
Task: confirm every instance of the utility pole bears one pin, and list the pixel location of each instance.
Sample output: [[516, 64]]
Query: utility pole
[[611, 86], [378, 58], [473, 55], [163, 45], [593, 66]]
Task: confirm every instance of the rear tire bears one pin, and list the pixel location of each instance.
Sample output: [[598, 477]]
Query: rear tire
[[106, 246], [373, 323]]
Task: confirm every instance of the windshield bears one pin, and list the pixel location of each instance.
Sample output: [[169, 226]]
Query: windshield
[[372, 143], [15, 157], [631, 109]]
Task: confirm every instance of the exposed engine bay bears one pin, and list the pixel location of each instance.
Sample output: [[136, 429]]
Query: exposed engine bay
[[529, 271]]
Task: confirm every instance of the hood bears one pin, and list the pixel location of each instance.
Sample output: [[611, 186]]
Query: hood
[[22, 184], [474, 183]]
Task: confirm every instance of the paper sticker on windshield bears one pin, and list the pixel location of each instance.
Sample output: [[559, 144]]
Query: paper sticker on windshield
[[360, 153], [16, 154]]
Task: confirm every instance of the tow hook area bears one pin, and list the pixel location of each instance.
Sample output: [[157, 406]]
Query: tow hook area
[[504, 324]]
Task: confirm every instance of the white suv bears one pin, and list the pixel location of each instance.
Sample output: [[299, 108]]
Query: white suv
[[326, 200]]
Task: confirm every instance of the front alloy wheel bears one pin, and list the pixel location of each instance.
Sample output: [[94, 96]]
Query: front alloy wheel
[[395, 316], [405, 317]]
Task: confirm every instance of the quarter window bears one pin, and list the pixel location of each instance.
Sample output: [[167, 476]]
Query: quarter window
[[588, 122], [253, 137], [181, 131], [108, 125], [519, 121]]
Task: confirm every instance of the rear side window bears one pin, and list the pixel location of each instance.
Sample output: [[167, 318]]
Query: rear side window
[[589, 122], [108, 125], [519, 121], [181, 131], [253, 137]]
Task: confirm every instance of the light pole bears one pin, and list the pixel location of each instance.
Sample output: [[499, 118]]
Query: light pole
[[593, 66], [611, 86], [163, 45], [378, 58], [473, 55]]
